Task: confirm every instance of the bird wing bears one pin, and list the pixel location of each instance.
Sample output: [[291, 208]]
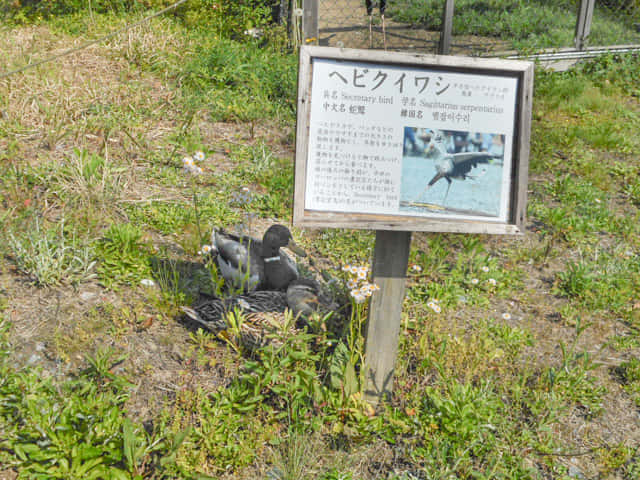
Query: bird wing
[[209, 315], [465, 161], [235, 250], [263, 301]]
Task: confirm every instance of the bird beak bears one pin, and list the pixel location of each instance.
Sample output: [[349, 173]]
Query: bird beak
[[296, 249]]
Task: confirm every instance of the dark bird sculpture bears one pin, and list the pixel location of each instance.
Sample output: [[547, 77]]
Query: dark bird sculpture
[[383, 7], [252, 264], [263, 311], [451, 165]]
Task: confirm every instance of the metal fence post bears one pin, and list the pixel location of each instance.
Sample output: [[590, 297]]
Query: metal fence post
[[583, 23], [447, 26], [309, 21]]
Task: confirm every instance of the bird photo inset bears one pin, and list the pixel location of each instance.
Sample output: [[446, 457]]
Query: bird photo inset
[[449, 171]]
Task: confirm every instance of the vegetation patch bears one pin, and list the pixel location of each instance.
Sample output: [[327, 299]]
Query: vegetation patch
[[108, 195]]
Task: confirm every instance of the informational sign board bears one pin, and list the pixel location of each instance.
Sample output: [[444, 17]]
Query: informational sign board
[[393, 141]]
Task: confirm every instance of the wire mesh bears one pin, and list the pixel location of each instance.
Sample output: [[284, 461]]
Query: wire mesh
[[345, 23], [480, 27], [615, 22]]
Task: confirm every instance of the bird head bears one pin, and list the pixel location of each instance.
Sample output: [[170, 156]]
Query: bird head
[[278, 236]]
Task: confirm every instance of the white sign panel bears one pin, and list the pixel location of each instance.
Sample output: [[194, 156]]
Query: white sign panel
[[410, 140]]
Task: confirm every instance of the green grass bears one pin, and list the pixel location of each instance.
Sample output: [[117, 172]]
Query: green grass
[[75, 428], [242, 82], [527, 25], [506, 346]]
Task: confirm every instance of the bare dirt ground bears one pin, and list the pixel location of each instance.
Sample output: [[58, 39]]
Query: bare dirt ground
[[345, 23], [56, 327]]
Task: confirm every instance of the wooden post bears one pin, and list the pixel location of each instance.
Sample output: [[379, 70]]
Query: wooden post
[[444, 47], [390, 261], [310, 22], [583, 23]]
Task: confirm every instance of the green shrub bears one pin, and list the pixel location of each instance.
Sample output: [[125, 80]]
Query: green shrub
[[227, 16], [52, 256], [77, 428], [243, 82], [621, 70], [124, 257]]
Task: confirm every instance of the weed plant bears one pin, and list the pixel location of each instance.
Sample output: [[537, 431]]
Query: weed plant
[[76, 428], [242, 82], [124, 258], [52, 256], [225, 18]]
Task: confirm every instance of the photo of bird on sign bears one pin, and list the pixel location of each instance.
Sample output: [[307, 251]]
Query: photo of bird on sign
[[452, 171]]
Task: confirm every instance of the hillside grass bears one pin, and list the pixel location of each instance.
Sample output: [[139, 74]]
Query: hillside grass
[[518, 356]]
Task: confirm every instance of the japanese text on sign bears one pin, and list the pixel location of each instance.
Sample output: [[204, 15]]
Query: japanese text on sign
[[364, 117]]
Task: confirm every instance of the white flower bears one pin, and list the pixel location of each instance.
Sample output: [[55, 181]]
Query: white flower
[[485, 269], [368, 288], [434, 306], [346, 268], [206, 249], [352, 284], [416, 268], [199, 156], [147, 282], [361, 273], [506, 316], [474, 281], [297, 12], [357, 296], [492, 281], [189, 166]]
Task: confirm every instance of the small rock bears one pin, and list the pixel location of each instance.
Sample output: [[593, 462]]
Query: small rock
[[33, 359], [86, 296], [147, 282], [575, 472], [176, 353]]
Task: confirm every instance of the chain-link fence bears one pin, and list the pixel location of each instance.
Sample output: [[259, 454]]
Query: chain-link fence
[[479, 27], [615, 22]]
